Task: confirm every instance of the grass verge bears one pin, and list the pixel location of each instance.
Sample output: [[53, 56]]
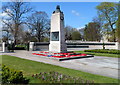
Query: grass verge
[[29, 68], [100, 54]]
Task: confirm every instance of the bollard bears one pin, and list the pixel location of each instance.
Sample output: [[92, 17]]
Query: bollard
[[118, 45], [3, 46], [31, 46]]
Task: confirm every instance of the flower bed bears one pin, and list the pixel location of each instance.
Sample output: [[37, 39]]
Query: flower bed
[[55, 77], [59, 55]]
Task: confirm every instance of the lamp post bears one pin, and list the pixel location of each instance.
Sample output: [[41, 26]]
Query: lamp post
[[28, 45]]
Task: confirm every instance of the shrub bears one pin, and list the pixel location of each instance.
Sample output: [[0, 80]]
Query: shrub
[[21, 47], [10, 47], [11, 76]]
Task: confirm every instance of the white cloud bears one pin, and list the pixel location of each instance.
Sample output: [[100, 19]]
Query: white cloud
[[2, 17], [75, 12], [8, 10], [81, 27], [3, 14]]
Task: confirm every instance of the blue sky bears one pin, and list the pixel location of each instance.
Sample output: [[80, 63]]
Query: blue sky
[[77, 14]]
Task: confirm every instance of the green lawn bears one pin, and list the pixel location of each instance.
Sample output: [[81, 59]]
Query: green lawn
[[32, 67], [100, 54]]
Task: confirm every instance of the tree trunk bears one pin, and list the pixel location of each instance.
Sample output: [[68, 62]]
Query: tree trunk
[[114, 38]]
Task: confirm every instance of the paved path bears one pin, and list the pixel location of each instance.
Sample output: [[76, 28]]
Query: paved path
[[105, 66]]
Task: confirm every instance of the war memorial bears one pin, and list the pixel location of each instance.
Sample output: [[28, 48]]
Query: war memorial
[[57, 46]]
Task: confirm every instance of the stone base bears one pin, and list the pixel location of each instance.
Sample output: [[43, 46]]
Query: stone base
[[79, 57], [57, 47], [62, 56]]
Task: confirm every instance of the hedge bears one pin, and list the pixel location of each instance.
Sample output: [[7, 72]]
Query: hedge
[[104, 51]]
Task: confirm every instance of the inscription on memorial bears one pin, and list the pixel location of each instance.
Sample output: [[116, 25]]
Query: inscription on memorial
[[55, 36]]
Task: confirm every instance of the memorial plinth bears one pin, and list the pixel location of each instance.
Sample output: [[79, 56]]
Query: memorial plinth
[[57, 36]]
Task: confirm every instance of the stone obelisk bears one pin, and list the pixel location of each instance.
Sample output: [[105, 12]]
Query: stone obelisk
[[57, 36]]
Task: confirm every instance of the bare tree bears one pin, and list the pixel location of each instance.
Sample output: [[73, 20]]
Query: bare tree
[[6, 34], [92, 32], [16, 12], [68, 32], [72, 33], [39, 25]]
